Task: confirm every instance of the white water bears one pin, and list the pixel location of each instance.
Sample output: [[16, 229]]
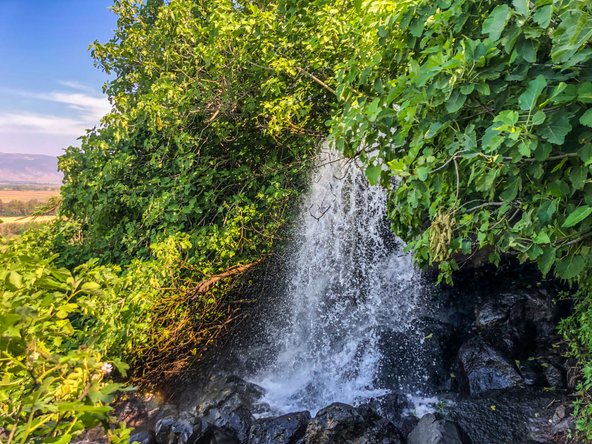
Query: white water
[[348, 283]]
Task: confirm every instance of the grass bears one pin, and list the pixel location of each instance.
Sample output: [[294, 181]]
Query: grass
[[26, 219]]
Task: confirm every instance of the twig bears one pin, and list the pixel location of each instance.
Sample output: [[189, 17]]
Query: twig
[[557, 157], [457, 178], [317, 80], [454, 156], [204, 286]]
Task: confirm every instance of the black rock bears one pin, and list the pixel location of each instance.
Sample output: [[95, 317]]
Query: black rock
[[394, 407], [228, 403], [218, 436], [517, 415], [342, 423], [143, 437], [483, 368], [337, 422], [491, 314], [235, 421], [286, 429], [184, 429], [163, 429], [431, 430], [380, 432], [553, 375]]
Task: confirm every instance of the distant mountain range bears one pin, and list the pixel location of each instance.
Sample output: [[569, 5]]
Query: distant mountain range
[[29, 169]]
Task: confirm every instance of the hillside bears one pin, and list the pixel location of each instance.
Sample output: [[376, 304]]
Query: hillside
[[29, 169]]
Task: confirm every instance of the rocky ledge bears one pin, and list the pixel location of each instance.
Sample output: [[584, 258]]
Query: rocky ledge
[[498, 374]]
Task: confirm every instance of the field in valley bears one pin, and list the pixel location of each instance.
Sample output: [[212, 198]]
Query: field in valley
[[27, 195]]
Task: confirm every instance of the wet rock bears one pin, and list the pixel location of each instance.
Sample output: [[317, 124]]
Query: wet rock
[[286, 429], [235, 421], [491, 314], [143, 437], [483, 368], [431, 430], [228, 404], [231, 391], [336, 422], [163, 430], [553, 376], [342, 423], [517, 415], [380, 432], [394, 407], [218, 436], [540, 311], [184, 429]]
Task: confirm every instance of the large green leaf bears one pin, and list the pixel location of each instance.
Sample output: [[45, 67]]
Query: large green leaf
[[585, 92], [373, 174], [521, 6], [555, 129], [543, 15], [456, 101], [528, 98], [586, 118], [546, 260], [496, 22], [577, 216], [570, 267]]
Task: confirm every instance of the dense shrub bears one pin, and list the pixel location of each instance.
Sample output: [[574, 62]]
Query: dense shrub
[[475, 115], [54, 344]]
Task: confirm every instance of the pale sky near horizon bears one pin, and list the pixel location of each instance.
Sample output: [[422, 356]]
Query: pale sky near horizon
[[50, 91]]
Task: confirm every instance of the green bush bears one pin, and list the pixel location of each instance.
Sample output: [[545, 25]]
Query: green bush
[[55, 378], [475, 115]]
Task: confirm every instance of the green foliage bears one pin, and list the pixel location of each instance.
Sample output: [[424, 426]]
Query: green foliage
[[209, 134], [55, 370], [482, 114], [578, 331], [475, 115]]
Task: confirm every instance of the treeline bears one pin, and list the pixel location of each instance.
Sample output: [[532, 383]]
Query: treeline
[[28, 187], [17, 208]]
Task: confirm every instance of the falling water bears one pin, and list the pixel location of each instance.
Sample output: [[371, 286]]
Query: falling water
[[350, 298]]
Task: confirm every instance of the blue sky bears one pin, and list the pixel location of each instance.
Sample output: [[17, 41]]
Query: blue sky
[[49, 89]]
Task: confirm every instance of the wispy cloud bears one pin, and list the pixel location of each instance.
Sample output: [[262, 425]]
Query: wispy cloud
[[81, 110], [25, 122], [91, 108], [79, 86]]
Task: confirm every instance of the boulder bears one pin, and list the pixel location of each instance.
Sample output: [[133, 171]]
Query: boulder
[[380, 432], [184, 429], [517, 415], [491, 314], [483, 368], [142, 437], [228, 403], [396, 408], [432, 430], [342, 423], [286, 429], [233, 420], [216, 435]]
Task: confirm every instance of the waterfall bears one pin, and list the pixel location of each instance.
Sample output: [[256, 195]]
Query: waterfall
[[351, 294]]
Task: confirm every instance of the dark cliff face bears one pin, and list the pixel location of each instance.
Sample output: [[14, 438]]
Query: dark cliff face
[[29, 169]]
